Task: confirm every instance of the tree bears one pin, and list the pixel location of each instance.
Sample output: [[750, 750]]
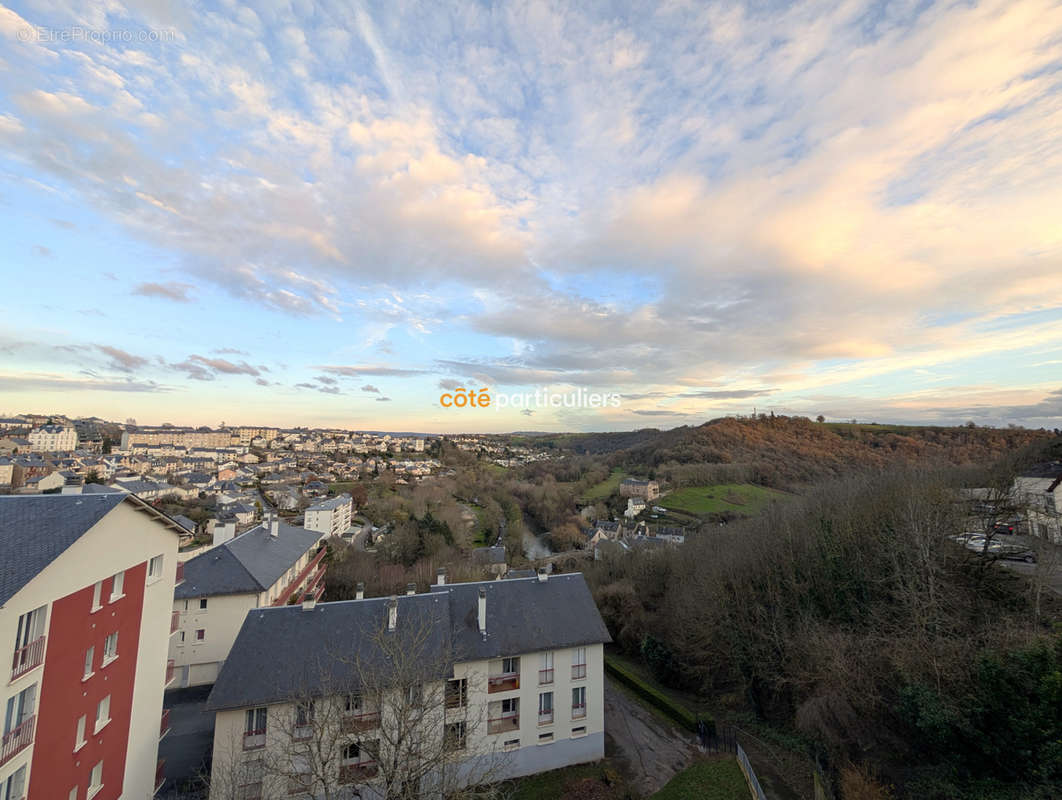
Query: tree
[[820, 418]]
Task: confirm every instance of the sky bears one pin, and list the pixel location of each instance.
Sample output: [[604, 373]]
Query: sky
[[331, 214]]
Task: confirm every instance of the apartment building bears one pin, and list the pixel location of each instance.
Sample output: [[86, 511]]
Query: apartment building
[[53, 439], [330, 517], [632, 487], [507, 677], [181, 437], [270, 565], [86, 591]]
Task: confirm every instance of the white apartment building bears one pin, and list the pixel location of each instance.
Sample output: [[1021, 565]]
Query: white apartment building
[[53, 439], [330, 517], [271, 565], [86, 591], [506, 677]]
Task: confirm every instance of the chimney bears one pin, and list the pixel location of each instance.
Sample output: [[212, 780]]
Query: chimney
[[411, 588], [308, 604], [360, 593], [392, 613], [483, 610], [274, 524], [543, 576], [440, 577]]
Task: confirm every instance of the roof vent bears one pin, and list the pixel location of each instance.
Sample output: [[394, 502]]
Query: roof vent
[[359, 593], [411, 588], [440, 577], [483, 610], [543, 576], [308, 604], [392, 613]]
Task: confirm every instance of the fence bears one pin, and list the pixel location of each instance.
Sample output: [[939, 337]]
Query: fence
[[750, 775], [723, 739]]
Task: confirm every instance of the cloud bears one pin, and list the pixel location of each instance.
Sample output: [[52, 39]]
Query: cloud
[[369, 369], [120, 359], [261, 381], [370, 388], [447, 384], [173, 290], [657, 412], [727, 394], [383, 399], [65, 224], [42, 251], [38, 382], [231, 351], [326, 380], [527, 412], [202, 368]]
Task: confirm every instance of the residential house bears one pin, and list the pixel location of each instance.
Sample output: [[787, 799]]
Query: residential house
[[86, 594], [511, 672], [272, 564], [330, 517], [632, 487]]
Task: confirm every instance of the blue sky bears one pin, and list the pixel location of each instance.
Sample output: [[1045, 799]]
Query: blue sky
[[320, 213]]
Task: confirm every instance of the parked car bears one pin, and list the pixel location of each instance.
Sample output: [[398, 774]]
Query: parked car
[[1015, 552]]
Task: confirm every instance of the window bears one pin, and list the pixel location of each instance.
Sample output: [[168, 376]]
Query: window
[[90, 656], [73, 794], [545, 738], [578, 702], [180, 638], [97, 596], [304, 713], [110, 648], [19, 709], [510, 707], [352, 752], [254, 730], [118, 585], [354, 704], [96, 781], [415, 695], [545, 708], [202, 604], [578, 663], [511, 744], [545, 672], [510, 665], [29, 641], [580, 731], [155, 569], [200, 634], [455, 736], [457, 693], [14, 788], [79, 742], [103, 714]]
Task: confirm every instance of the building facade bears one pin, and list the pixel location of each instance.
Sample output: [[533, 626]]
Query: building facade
[[330, 517], [499, 679], [86, 609], [53, 439]]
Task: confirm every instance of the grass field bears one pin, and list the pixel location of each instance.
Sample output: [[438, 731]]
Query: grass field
[[606, 488], [743, 498], [719, 779], [339, 488], [559, 782]]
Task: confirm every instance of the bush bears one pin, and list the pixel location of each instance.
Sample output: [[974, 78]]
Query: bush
[[680, 714]]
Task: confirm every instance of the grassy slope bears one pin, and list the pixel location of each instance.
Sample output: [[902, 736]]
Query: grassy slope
[[606, 488], [743, 498], [719, 779]]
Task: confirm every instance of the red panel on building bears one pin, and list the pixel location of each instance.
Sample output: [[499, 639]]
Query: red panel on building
[[64, 696]]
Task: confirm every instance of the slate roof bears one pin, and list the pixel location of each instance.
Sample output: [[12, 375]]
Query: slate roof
[[37, 529], [286, 652], [185, 523], [331, 503], [252, 562]]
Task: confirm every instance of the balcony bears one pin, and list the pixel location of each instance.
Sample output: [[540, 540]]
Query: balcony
[[354, 773], [19, 739], [314, 570], [180, 574], [27, 658], [249, 791], [579, 711], [164, 723], [503, 683], [160, 774], [170, 672], [545, 676], [578, 671], [545, 717], [356, 723], [175, 622], [503, 724], [254, 740]]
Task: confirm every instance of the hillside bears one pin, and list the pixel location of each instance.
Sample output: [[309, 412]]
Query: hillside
[[787, 451]]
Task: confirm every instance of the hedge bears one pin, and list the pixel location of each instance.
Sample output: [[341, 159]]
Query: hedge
[[680, 714]]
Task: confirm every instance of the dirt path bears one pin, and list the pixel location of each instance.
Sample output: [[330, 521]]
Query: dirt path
[[653, 749]]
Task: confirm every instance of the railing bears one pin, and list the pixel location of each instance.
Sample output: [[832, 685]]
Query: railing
[[503, 683], [545, 717], [301, 577], [170, 671], [160, 774], [254, 740], [302, 733], [545, 676], [175, 621], [249, 791], [754, 784], [28, 657], [578, 671], [180, 573], [354, 723], [578, 710], [352, 773], [164, 724], [503, 724], [18, 739]]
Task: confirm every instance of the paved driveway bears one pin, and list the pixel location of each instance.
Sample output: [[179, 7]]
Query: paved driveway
[[191, 738]]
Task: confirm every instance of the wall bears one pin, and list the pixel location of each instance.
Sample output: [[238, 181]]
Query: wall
[[222, 619]]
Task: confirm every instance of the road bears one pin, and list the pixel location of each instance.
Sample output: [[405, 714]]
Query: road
[[652, 749], [1051, 574]]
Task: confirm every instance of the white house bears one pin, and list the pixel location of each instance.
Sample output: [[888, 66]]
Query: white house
[[330, 517]]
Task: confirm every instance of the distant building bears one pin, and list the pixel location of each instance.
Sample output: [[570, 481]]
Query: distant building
[[86, 593], [635, 506], [53, 439], [330, 517], [493, 558], [273, 564], [632, 487]]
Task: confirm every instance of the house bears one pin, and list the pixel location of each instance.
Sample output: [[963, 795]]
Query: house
[[493, 558], [632, 487], [330, 517], [53, 439], [1038, 490], [272, 564], [635, 506], [507, 675], [86, 593]]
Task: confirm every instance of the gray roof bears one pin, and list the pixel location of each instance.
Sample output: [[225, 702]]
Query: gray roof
[[185, 523], [37, 529], [330, 503], [286, 651], [252, 562]]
